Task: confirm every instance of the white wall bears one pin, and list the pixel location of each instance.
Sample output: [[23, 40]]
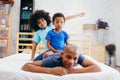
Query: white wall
[[15, 25], [66, 7], [94, 9], [108, 10], [117, 30]]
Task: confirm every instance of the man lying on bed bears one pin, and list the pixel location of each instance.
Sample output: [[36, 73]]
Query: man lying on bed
[[61, 64]]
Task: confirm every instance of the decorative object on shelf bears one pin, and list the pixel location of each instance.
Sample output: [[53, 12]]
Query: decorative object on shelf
[[2, 8], [25, 11], [7, 8], [111, 48], [3, 22], [8, 4], [101, 26], [11, 2]]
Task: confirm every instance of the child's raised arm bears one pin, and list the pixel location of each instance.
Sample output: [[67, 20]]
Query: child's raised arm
[[81, 14]]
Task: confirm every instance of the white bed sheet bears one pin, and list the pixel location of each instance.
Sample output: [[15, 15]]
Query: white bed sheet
[[10, 69]]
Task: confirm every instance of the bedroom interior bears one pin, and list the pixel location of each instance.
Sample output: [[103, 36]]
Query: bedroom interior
[[16, 34]]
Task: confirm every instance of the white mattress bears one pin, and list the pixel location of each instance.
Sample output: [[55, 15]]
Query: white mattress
[[10, 69]]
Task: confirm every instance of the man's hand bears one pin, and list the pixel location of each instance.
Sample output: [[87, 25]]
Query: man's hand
[[25, 68], [59, 71]]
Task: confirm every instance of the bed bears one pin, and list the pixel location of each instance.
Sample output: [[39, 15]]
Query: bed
[[10, 69]]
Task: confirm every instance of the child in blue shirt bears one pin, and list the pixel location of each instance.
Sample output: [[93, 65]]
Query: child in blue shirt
[[40, 22], [57, 38]]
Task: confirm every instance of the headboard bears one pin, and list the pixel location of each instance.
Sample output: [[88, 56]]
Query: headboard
[[83, 41], [24, 42]]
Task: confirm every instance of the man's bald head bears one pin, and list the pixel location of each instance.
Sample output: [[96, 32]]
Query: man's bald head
[[70, 56], [70, 48]]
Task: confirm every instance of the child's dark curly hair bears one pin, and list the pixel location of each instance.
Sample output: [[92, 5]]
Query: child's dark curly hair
[[34, 17], [58, 15]]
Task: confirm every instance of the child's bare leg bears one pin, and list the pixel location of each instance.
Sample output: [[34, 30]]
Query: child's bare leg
[[46, 54]]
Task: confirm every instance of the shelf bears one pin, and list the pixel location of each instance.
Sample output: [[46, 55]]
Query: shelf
[[25, 44], [24, 49], [2, 29], [3, 14], [3, 38], [5, 26], [25, 10], [28, 39], [25, 14], [25, 32]]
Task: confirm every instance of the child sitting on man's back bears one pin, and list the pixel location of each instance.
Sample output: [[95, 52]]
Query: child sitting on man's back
[[57, 38]]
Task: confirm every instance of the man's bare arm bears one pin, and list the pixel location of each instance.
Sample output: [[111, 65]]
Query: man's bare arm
[[37, 68], [88, 66]]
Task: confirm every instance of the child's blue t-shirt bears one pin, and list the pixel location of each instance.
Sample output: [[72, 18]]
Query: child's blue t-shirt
[[55, 60], [41, 34], [57, 40]]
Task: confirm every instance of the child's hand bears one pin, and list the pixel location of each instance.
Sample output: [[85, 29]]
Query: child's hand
[[81, 14]]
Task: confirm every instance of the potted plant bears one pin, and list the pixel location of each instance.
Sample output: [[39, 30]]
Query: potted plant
[[102, 26], [11, 2], [111, 48]]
